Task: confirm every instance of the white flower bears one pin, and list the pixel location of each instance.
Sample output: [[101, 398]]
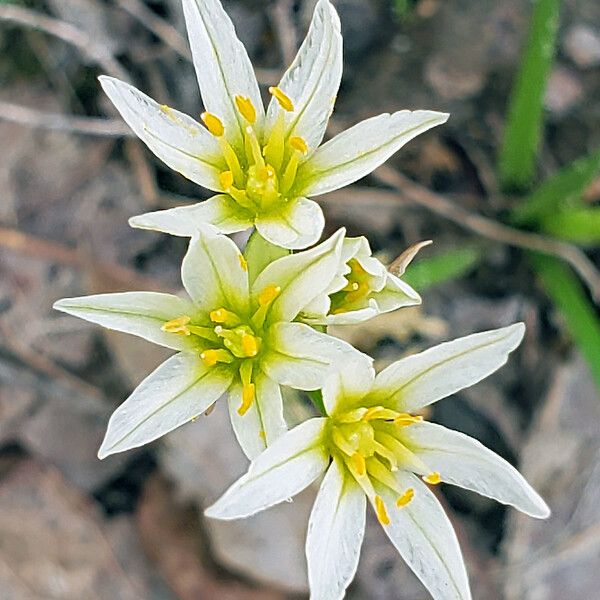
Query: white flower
[[364, 289], [372, 446], [234, 334], [264, 165]]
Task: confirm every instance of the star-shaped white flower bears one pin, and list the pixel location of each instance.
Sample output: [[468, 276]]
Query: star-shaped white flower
[[264, 165], [367, 289], [235, 333], [371, 445]]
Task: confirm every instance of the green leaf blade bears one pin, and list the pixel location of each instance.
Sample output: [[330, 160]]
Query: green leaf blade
[[518, 155]]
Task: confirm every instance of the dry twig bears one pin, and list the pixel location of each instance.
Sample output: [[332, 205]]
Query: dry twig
[[96, 52], [23, 115], [491, 229]]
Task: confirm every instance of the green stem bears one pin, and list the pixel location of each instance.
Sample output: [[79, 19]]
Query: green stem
[[316, 397]]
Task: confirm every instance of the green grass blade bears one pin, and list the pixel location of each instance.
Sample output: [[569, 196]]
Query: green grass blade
[[518, 154], [581, 318], [427, 272], [559, 192], [579, 226]]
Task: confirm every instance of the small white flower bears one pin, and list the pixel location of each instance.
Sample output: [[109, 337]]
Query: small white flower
[[264, 165], [236, 333], [372, 446], [363, 290]]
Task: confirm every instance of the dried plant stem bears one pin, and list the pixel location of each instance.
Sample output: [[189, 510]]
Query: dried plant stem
[[95, 51]]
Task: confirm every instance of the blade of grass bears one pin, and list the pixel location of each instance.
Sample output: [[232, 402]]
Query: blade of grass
[[525, 116], [559, 192], [579, 226], [427, 272], [581, 318]]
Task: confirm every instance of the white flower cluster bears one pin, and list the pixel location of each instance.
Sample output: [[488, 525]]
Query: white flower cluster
[[253, 321]]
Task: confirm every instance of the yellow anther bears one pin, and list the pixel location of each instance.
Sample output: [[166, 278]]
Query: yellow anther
[[406, 498], [246, 108], [167, 110], [213, 124], [283, 99], [358, 462], [249, 345], [404, 420], [219, 316], [243, 262], [268, 295], [433, 478], [247, 398], [209, 357], [226, 180], [210, 409], [381, 511], [178, 325], [359, 292], [297, 143], [194, 419]]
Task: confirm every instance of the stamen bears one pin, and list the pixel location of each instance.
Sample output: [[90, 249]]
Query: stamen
[[298, 143], [360, 292], [284, 100], [381, 511], [222, 315], [255, 147], [358, 460], [275, 150], [213, 124], [246, 108], [226, 180], [289, 175], [433, 478], [243, 262], [249, 345], [406, 498], [210, 409], [405, 420], [209, 357], [178, 325], [268, 295], [379, 412], [248, 392]]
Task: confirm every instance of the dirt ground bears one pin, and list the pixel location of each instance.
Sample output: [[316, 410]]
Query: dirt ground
[[131, 526]]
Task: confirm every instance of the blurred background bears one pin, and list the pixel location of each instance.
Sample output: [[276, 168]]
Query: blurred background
[[508, 190]]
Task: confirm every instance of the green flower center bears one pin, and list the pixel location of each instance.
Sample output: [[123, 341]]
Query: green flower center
[[369, 442], [356, 291], [229, 338], [261, 176]]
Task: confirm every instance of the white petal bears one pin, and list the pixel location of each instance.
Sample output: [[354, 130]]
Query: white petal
[[260, 253], [350, 383], [178, 140], [395, 294], [222, 65], [284, 469], [463, 461], [313, 78], [296, 226], [179, 390], [263, 423], [361, 149], [335, 533], [352, 317], [302, 277], [220, 211], [421, 379], [423, 535], [214, 273], [139, 313], [300, 357]]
